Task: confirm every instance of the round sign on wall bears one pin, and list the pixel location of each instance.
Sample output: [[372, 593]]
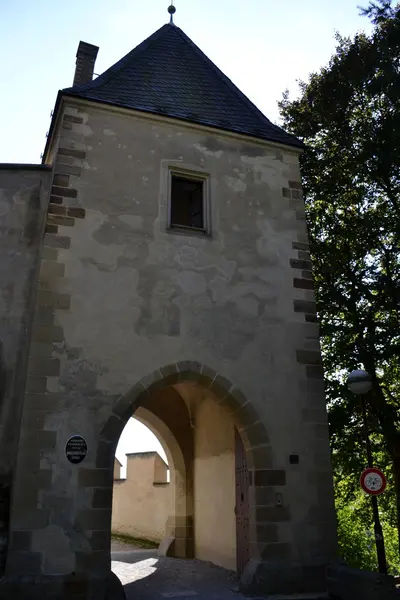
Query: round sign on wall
[[76, 449], [373, 481]]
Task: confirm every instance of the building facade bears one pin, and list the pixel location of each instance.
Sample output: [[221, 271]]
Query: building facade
[[143, 501], [158, 265]]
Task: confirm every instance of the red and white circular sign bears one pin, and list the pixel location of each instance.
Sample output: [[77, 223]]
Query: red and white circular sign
[[373, 481]]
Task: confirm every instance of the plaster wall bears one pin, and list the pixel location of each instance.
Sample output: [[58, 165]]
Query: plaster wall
[[143, 501], [23, 198], [117, 469], [134, 297], [214, 485]]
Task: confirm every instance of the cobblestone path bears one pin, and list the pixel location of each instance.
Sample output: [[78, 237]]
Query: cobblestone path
[[146, 576]]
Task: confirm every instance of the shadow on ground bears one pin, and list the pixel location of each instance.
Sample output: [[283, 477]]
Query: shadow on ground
[[147, 576]]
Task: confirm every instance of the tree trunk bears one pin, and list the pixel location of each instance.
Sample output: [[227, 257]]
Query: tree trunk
[[395, 452]]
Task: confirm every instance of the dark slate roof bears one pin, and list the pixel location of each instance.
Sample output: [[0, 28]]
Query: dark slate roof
[[169, 75]]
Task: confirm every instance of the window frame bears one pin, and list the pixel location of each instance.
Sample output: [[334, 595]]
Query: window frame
[[191, 175]]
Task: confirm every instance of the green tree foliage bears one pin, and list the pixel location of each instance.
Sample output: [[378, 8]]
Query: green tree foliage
[[348, 116]]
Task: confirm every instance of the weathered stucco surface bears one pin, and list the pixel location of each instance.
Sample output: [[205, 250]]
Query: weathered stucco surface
[[214, 484], [143, 501], [23, 195], [125, 298]]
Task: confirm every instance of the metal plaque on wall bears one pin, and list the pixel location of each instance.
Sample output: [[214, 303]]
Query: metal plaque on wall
[[76, 449]]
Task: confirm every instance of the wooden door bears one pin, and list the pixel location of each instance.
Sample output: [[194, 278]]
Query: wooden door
[[242, 506]]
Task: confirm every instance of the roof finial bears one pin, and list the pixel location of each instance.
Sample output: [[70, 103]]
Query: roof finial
[[172, 11]]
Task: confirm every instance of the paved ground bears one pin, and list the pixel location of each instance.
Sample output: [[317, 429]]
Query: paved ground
[[149, 577]]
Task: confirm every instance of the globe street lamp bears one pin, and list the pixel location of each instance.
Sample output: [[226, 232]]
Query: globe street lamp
[[359, 383]]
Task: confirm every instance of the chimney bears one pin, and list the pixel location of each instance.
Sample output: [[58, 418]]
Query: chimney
[[85, 59]]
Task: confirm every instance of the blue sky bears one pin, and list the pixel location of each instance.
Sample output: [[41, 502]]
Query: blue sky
[[264, 46]]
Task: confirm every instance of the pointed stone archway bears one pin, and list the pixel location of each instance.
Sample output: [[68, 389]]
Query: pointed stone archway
[[264, 520]]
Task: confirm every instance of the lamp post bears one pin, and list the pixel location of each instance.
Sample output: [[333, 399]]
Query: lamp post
[[359, 383]]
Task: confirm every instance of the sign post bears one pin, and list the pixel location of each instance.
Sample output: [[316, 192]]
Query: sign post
[[373, 481]]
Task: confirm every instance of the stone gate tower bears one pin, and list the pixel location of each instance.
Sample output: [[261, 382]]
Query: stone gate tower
[[164, 270]]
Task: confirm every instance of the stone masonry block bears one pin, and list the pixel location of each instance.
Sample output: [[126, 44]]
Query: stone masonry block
[[276, 551], [221, 387], [96, 562], [315, 372], [30, 519], [300, 264], [43, 367], [76, 212], [64, 192], [270, 477], [113, 428], [305, 306], [272, 514], [33, 420], [41, 350], [309, 357], [28, 563], [304, 255], [95, 478], [261, 457], [50, 228], [61, 180], [40, 479], [53, 299], [100, 540], [40, 440], [102, 498], [266, 532], [297, 195], [49, 269], [189, 366], [49, 254], [60, 220], [295, 185], [311, 318], [301, 246], [57, 241], [56, 209], [208, 373], [303, 284], [21, 540], [247, 414], [56, 200], [238, 396], [94, 519], [256, 434], [67, 170], [27, 497], [265, 496], [105, 455], [44, 315], [125, 405], [72, 152], [72, 119], [35, 384], [47, 334], [43, 401], [170, 370]]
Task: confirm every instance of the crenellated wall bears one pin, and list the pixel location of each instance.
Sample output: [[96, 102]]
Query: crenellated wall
[[143, 501]]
